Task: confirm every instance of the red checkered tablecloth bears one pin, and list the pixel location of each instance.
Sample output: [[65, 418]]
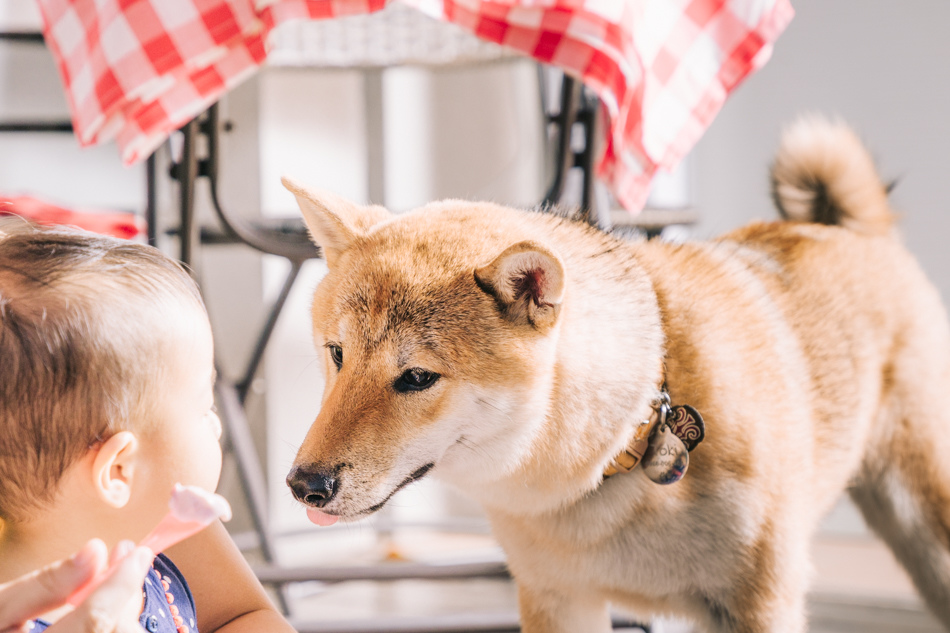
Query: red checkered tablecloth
[[135, 70]]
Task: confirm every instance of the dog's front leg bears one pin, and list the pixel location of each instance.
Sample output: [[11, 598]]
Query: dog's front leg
[[544, 611]]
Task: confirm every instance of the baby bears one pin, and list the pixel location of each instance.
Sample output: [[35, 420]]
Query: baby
[[106, 401]]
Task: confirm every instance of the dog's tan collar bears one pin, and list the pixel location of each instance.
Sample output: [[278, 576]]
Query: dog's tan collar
[[661, 442], [632, 454]]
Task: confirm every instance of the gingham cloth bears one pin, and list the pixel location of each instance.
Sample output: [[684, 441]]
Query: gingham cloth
[[135, 70]]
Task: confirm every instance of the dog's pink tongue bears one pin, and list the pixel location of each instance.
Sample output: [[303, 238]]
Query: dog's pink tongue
[[321, 518]]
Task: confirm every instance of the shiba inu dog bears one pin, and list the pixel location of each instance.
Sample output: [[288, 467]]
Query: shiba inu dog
[[530, 360]]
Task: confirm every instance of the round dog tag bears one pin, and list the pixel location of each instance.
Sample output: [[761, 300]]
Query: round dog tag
[[687, 424], [666, 459]]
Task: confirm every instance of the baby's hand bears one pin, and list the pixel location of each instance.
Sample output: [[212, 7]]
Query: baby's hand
[[113, 608]]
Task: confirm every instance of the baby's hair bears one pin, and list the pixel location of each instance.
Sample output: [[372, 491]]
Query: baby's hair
[[83, 331]]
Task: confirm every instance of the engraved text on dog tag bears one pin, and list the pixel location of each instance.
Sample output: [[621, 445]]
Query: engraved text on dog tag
[[666, 459]]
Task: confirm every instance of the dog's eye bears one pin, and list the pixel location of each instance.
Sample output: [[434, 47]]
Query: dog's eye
[[415, 380], [336, 353]]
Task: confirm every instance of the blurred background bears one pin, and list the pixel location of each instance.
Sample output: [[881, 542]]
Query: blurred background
[[471, 123]]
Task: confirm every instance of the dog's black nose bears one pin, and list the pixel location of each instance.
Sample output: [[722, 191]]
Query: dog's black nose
[[312, 484]]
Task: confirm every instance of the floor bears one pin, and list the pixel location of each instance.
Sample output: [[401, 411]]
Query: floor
[[858, 586]]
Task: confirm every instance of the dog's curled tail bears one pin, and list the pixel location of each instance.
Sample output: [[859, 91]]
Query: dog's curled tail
[[823, 173]]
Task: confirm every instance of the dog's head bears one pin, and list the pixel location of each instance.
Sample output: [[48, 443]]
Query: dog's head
[[437, 331]]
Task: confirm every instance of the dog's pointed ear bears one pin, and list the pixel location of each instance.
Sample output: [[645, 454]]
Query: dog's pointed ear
[[527, 281], [335, 223]]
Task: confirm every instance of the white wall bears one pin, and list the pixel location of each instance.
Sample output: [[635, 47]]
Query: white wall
[[884, 67], [472, 131]]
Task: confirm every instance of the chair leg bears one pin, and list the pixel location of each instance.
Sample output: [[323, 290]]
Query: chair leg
[[588, 115], [260, 346], [578, 105], [151, 200], [253, 481], [564, 121]]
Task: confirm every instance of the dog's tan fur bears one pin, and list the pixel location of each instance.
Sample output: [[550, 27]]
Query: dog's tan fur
[[818, 355]]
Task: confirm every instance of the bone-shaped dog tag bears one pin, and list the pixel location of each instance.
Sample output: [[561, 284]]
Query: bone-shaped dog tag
[[666, 459]]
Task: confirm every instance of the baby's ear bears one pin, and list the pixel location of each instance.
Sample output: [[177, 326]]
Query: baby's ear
[[335, 223], [113, 468]]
